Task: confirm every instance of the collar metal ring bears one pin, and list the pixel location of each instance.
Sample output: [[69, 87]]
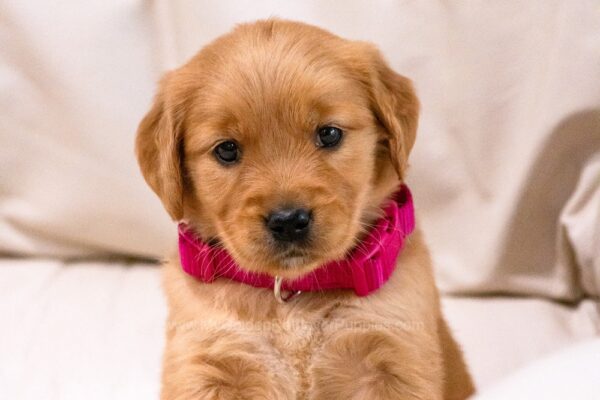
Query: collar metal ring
[[279, 296]]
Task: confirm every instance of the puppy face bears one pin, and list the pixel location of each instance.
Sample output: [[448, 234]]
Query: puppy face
[[280, 141]]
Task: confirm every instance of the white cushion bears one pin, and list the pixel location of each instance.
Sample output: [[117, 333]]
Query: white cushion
[[94, 330]]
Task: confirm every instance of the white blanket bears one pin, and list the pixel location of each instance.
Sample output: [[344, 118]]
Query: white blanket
[[571, 373]]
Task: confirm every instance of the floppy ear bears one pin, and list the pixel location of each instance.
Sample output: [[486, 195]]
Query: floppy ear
[[158, 149], [396, 107]]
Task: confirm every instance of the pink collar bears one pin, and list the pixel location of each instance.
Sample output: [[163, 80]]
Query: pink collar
[[365, 270]]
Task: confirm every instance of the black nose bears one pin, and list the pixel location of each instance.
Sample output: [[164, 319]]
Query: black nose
[[289, 224]]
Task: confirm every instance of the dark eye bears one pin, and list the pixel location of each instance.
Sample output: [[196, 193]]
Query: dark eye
[[329, 136], [227, 152]]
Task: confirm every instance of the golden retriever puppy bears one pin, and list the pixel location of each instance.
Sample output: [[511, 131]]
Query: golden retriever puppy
[[279, 147]]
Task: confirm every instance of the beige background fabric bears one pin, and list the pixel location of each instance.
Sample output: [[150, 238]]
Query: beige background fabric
[[75, 79], [504, 172]]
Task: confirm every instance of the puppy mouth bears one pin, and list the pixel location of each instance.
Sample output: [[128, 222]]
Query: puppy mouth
[[294, 262], [304, 256], [293, 258]]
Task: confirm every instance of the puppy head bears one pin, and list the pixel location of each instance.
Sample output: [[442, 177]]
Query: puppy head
[[280, 141]]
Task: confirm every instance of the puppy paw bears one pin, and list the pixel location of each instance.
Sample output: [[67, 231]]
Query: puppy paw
[[226, 377], [372, 365]]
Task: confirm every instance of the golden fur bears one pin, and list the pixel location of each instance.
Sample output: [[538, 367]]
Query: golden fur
[[268, 86]]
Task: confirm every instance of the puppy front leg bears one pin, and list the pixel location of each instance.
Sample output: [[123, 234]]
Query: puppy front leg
[[223, 366], [458, 382], [376, 365]]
